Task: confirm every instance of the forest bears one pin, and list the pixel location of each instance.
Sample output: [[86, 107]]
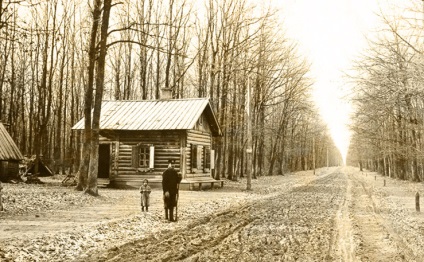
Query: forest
[[389, 98], [59, 59]]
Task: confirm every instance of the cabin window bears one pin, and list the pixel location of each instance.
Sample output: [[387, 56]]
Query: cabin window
[[193, 157], [207, 159], [196, 158], [143, 156]]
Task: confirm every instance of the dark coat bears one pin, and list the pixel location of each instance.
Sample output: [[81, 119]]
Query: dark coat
[[170, 181]]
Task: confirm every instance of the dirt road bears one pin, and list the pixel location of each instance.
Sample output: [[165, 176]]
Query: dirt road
[[340, 214], [377, 235], [274, 228]]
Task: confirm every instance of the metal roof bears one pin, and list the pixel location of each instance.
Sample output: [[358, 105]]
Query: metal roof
[[173, 114], [8, 148]]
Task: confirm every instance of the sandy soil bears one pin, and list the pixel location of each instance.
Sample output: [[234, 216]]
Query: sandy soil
[[340, 214]]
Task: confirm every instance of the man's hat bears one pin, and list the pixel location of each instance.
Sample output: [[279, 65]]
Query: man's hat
[[171, 161]]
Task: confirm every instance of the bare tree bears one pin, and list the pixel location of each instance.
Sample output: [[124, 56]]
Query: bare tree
[[58, 73], [88, 98], [389, 99]]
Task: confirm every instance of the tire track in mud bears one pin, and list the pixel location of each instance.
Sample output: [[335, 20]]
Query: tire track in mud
[[375, 237], [297, 224]]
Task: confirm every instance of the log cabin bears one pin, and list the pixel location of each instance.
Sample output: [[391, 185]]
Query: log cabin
[[10, 156], [139, 137]]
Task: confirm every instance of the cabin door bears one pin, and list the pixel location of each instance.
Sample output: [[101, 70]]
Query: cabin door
[[104, 160]]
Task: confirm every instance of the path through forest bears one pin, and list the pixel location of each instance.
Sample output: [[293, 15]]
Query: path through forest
[[339, 214]]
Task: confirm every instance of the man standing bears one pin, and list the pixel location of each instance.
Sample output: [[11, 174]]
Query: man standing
[[170, 182]]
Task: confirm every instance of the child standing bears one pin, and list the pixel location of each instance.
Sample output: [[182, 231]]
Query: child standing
[[145, 195]]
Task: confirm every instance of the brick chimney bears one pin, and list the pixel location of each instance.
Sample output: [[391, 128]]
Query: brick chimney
[[166, 93]]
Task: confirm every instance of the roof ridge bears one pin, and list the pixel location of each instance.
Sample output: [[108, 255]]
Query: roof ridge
[[156, 100]]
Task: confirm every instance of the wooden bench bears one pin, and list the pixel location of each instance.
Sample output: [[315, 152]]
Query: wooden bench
[[199, 182], [221, 182]]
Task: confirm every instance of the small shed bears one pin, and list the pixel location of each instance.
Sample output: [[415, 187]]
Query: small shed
[[138, 138], [10, 156], [43, 170]]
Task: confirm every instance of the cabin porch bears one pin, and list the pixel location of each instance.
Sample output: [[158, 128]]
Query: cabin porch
[[155, 181]]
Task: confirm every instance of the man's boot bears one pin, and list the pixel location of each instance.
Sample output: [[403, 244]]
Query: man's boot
[[171, 214], [166, 213]]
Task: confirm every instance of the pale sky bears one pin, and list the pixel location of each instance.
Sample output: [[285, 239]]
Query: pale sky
[[331, 33]]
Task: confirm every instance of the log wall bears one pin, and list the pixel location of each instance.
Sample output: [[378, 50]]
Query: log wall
[[166, 144]]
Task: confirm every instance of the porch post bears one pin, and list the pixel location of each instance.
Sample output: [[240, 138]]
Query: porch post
[[116, 160], [183, 164]]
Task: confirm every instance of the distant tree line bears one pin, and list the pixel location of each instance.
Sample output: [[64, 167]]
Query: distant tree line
[[58, 55], [389, 98]]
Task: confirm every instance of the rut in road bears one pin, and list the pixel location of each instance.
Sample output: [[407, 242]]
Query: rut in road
[[297, 224], [377, 239]]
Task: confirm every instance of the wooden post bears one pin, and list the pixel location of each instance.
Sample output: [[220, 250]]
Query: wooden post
[[1, 200], [249, 140], [183, 156], [116, 161], [327, 155], [417, 202], [313, 153]]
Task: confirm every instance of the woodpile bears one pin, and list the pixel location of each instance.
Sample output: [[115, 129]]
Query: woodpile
[[33, 179]]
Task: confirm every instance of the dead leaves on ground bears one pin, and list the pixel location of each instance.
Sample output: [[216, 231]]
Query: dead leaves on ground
[[82, 241]]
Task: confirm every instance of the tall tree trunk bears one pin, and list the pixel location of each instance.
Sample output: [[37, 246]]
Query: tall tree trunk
[[88, 100], [100, 78], [59, 139]]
